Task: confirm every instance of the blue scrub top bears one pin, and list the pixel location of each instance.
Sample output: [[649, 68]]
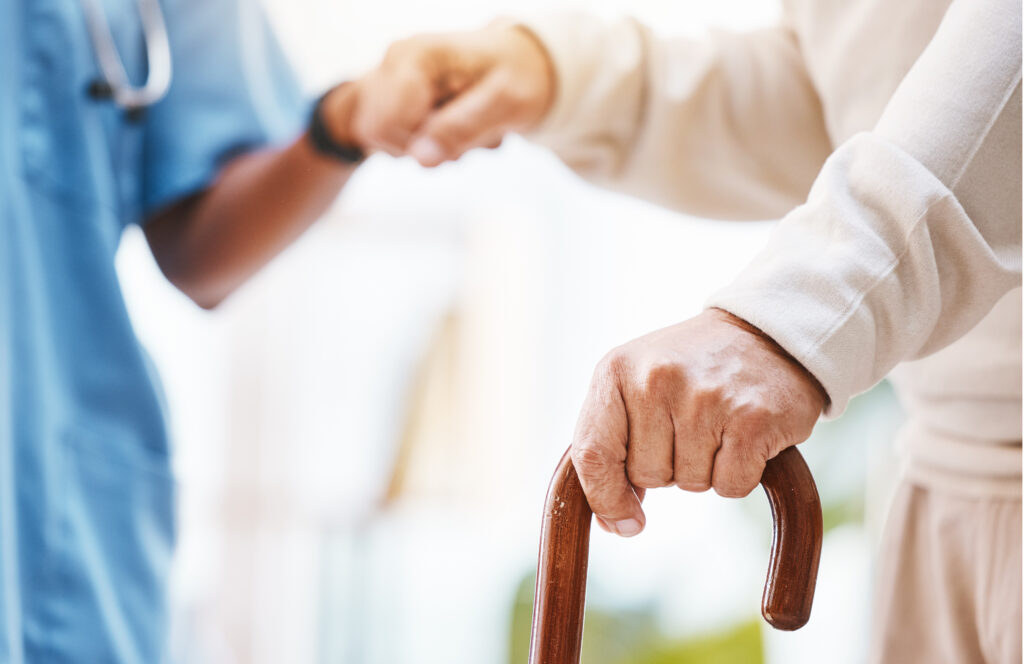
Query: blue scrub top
[[86, 493]]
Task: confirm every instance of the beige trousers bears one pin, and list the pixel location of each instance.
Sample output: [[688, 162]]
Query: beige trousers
[[949, 580]]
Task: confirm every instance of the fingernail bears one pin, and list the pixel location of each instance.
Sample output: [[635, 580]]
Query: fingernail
[[627, 527], [426, 151]]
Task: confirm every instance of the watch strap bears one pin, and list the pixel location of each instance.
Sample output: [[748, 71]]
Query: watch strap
[[322, 140]]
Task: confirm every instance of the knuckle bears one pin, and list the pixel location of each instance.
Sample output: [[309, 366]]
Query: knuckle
[[756, 413], [694, 484], [590, 458], [749, 445], [614, 364], [738, 472], [649, 478], [694, 464], [763, 441], [707, 397], [662, 378], [733, 489]]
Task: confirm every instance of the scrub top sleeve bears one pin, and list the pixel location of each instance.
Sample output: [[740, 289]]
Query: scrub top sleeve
[[232, 91]]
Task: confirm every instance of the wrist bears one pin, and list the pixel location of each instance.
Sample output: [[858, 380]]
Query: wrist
[[737, 322], [536, 58], [330, 129]]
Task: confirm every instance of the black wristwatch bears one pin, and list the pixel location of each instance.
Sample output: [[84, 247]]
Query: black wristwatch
[[322, 141]]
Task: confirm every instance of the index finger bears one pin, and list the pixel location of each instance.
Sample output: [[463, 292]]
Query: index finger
[[599, 456]]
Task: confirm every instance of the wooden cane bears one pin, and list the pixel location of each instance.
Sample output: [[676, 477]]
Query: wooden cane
[[557, 631]]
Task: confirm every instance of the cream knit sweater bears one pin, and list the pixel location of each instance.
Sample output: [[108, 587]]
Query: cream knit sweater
[[887, 136]]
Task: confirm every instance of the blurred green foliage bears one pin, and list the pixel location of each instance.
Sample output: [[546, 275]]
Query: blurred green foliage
[[740, 644], [631, 636]]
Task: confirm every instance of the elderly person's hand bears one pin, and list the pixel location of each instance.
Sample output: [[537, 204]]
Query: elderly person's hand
[[705, 403], [437, 96]]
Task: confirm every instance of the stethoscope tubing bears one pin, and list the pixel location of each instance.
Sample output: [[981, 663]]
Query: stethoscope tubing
[[158, 55]]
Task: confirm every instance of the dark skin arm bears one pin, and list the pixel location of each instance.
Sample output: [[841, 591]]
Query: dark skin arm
[[209, 244]]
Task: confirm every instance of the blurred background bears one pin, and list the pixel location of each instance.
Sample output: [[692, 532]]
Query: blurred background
[[364, 434]]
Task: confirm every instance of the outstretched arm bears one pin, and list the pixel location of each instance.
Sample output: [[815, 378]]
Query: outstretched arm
[[210, 243], [725, 126], [728, 127], [227, 177]]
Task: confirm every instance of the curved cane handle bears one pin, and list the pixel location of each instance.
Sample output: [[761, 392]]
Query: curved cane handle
[[557, 632]]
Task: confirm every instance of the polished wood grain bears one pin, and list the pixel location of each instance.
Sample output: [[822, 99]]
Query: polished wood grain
[[565, 541], [561, 571], [796, 541]]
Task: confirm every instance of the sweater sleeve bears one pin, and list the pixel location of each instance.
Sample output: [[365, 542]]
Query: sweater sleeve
[[912, 231], [727, 126]]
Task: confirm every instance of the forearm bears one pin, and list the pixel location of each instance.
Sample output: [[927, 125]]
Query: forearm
[[211, 243], [912, 232], [725, 126]]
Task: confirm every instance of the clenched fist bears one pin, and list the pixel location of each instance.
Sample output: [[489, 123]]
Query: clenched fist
[[702, 404], [437, 96]]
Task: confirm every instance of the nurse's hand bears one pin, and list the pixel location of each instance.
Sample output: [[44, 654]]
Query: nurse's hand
[[437, 96], [702, 404]]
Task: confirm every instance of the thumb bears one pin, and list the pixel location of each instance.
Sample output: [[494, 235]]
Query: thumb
[[472, 119], [599, 455]]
